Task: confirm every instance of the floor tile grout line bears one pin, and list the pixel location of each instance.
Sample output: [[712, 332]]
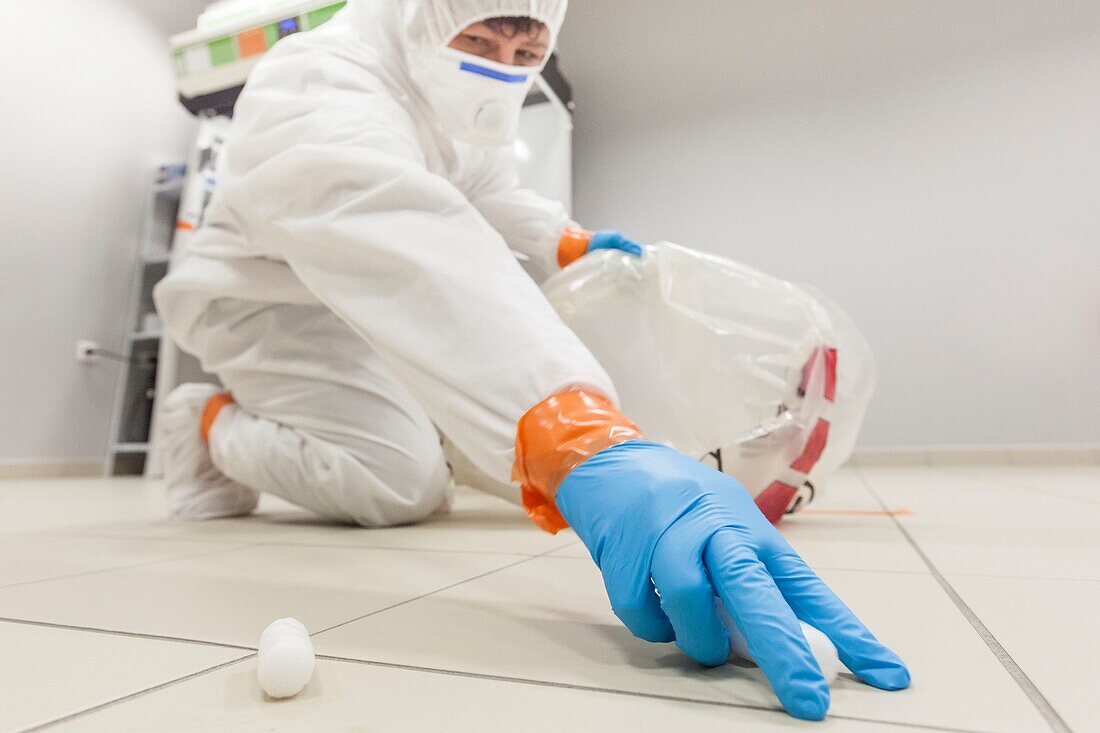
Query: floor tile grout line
[[134, 695], [613, 691], [816, 566], [1025, 683], [129, 634], [285, 543], [438, 551], [1061, 579], [424, 595], [131, 566], [248, 546], [77, 533], [545, 553], [433, 592]]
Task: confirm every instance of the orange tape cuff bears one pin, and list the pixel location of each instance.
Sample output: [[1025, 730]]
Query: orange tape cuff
[[210, 413], [573, 245], [557, 435]]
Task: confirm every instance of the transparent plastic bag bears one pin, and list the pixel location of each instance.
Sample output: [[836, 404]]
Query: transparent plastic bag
[[722, 362]]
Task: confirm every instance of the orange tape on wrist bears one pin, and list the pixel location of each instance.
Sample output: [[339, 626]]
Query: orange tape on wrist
[[573, 245], [557, 435], [210, 413]]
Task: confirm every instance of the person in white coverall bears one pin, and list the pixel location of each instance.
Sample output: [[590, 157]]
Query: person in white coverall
[[356, 288]]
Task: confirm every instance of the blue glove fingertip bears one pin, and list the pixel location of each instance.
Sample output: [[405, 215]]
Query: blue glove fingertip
[[887, 678], [810, 706]]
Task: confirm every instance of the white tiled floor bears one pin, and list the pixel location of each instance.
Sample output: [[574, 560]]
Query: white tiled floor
[[113, 618]]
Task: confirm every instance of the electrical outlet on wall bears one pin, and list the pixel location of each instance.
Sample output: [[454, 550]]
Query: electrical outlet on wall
[[85, 351]]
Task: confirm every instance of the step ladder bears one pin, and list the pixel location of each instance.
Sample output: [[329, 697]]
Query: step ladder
[[133, 411]]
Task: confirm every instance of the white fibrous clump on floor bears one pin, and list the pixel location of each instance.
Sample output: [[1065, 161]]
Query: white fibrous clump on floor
[[823, 649], [824, 652], [286, 658]]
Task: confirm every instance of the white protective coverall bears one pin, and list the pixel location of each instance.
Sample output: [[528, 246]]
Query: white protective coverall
[[354, 283]]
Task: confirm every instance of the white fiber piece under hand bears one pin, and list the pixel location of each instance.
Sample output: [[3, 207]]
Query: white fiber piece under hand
[[823, 650], [286, 658]]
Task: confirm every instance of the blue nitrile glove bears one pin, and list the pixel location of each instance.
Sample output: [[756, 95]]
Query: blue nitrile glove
[[648, 512], [614, 240]]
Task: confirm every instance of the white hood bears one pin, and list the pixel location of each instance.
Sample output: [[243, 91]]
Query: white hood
[[431, 24], [396, 27]]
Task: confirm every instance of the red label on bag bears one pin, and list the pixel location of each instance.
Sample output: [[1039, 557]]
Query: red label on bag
[[774, 500], [830, 374], [815, 444], [829, 356]]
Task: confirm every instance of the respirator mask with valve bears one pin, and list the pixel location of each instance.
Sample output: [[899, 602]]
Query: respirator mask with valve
[[476, 100]]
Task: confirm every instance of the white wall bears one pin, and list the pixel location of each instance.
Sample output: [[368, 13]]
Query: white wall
[[88, 113], [934, 166]]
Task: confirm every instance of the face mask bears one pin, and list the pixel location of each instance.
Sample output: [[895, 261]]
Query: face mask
[[477, 101]]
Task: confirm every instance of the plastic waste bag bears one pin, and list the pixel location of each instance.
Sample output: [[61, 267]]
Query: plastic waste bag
[[748, 372]]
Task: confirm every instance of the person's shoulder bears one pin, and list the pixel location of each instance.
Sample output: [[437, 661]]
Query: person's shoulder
[[310, 94], [322, 60]]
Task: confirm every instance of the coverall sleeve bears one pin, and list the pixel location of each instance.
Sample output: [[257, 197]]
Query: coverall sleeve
[[328, 176], [531, 224]]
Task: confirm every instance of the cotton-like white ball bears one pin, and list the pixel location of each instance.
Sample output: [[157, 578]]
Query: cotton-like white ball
[[286, 658], [823, 650]]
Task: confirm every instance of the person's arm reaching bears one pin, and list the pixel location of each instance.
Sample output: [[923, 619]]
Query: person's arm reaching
[[538, 228], [531, 224]]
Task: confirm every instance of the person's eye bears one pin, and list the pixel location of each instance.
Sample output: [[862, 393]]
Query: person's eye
[[528, 58], [477, 41]]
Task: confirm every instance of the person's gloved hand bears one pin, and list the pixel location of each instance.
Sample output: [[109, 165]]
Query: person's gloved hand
[[614, 240], [648, 512], [575, 243]]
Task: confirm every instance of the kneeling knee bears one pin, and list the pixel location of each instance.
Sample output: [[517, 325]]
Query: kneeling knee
[[404, 491]]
